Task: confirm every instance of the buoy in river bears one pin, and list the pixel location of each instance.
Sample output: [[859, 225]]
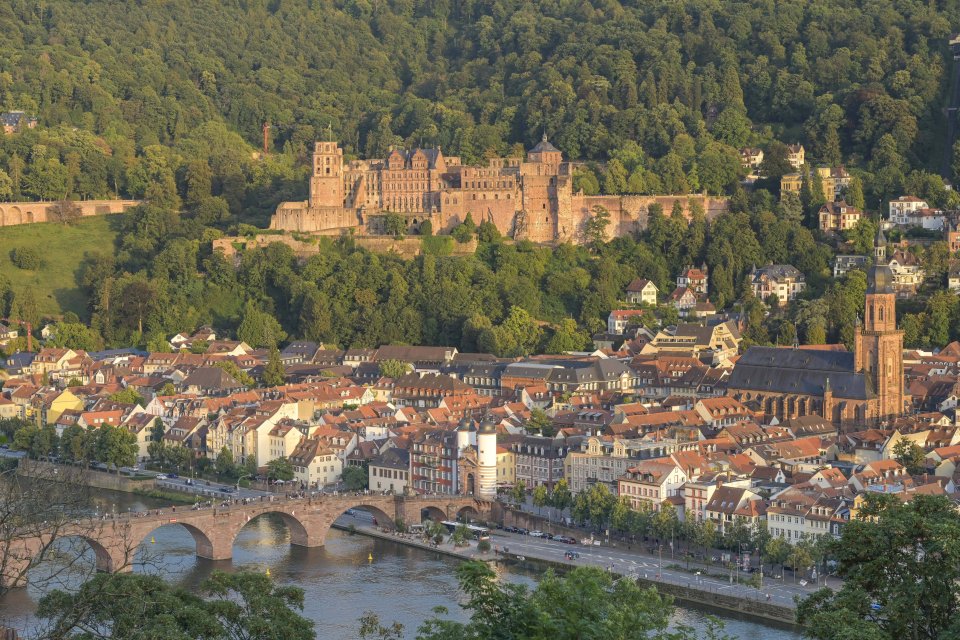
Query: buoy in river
[[369, 557], [153, 540]]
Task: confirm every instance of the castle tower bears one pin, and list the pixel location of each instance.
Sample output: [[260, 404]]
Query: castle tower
[[487, 459], [326, 183], [878, 349]]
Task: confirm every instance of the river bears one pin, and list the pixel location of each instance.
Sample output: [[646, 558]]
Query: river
[[340, 581]]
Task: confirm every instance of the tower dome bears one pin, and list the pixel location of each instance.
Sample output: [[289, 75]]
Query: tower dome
[[488, 426], [879, 279]]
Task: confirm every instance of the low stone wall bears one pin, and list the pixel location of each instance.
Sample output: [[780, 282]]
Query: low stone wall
[[95, 479], [13, 213], [755, 608], [304, 245]]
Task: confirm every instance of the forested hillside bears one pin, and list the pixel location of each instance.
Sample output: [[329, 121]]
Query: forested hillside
[[150, 84], [165, 100]]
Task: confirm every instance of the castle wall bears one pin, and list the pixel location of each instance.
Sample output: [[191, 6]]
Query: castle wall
[[299, 217], [531, 199], [407, 247], [13, 213], [628, 214]]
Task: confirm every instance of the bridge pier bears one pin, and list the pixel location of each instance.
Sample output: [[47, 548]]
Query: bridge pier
[[217, 546]]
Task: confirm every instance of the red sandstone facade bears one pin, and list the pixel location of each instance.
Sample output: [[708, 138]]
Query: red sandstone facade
[[529, 198]]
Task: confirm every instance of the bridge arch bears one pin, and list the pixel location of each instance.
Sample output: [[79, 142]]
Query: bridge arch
[[432, 512], [105, 561], [299, 535], [467, 513], [203, 542], [376, 512]]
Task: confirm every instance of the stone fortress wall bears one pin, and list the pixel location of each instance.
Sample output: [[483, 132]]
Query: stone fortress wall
[[529, 198], [14, 213]]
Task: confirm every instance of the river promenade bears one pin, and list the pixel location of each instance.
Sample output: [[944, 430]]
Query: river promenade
[[703, 589]]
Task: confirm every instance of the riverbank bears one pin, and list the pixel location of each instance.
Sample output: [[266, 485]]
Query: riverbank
[[88, 477], [757, 609]]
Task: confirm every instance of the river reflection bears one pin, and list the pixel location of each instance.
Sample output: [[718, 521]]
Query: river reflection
[[400, 583]]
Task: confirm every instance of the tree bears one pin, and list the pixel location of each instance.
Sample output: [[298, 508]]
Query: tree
[[540, 498], [274, 374], [519, 492], [911, 455], [355, 478], [394, 225], [157, 429], [75, 335], [854, 195], [125, 606], [116, 446], [76, 445], [538, 422], [595, 228], [260, 329], [235, 372], [280, 469], [777, 552], [225, 465], [587, 603], [157, 450], [394, 368], [560, 497], [64, 212], [862, 235], [900, 566], [372, 629], [128, 396]]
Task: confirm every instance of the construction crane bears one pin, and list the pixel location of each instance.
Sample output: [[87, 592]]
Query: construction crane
[[28, 326]]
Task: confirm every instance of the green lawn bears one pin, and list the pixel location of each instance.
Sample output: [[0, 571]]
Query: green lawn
[[62, 248]]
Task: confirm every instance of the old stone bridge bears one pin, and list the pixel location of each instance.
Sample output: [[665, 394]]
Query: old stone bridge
[[115, 539]]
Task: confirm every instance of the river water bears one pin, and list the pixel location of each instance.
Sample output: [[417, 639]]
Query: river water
[[340, 581]]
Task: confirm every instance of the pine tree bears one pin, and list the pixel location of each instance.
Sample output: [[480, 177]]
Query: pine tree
[[273, 373]]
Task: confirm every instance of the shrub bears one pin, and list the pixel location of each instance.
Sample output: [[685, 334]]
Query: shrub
[[483, 546], [25, 258]]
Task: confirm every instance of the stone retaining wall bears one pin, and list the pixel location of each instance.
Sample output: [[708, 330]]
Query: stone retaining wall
[[13, 213], [95, 479]]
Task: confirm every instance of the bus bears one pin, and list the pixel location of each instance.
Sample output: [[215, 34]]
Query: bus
[[478, 533]]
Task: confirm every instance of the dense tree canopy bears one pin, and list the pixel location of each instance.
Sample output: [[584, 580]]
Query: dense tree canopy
[[900, 564], [144, 100]]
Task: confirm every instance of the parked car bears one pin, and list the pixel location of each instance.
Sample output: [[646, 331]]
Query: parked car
[[536, 534], [548, 536], [566, 539], [173, 476], [161, 476], [522, 531], [226, 489]]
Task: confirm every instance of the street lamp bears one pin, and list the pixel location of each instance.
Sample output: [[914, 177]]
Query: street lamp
[[246, 475]]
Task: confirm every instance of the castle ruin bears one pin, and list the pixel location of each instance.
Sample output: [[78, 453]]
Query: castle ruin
[[530, 198]]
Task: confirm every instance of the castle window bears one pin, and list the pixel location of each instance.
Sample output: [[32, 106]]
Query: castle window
[[544, 205]]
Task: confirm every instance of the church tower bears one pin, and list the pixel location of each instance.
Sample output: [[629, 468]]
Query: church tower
[[878, 351], [326, 183]]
